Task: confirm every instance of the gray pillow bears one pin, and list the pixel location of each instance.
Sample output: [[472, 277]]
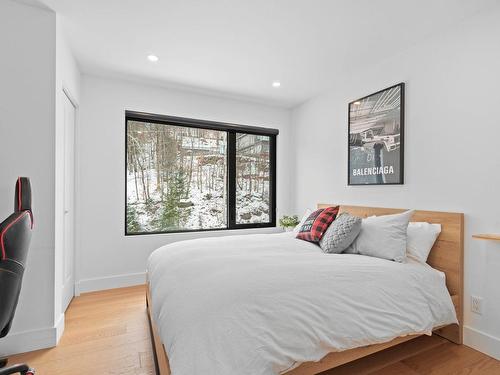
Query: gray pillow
[[383, 237], [340, 234]]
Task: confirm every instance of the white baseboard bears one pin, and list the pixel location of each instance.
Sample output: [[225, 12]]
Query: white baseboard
[[59, 327], [109, 282], [483, 342], [27, 341]]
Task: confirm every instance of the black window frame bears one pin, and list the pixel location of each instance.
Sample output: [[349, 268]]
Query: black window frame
[[231, 130]]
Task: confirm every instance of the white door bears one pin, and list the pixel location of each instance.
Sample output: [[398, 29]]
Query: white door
[[68, 288]]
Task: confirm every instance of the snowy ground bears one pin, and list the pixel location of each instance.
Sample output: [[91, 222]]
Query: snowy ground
[[201, 210]]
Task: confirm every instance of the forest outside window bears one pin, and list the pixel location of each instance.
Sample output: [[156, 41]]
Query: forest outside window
[[194, 175], [252, 178]]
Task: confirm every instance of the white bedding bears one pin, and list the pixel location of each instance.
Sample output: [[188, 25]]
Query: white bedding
[[262, 304]]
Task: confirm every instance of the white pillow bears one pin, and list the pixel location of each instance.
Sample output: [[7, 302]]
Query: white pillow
[[421, 238], [383, 237], [302, 221]]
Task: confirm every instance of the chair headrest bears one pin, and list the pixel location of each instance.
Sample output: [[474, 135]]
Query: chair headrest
[[22, 200]]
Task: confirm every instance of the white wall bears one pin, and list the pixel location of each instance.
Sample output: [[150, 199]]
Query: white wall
[[27, 117], [452, 159], [106, 257]]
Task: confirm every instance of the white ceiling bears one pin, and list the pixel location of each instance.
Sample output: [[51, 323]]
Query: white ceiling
[[238, 47]]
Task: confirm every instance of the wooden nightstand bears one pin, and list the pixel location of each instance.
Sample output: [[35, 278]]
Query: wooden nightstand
[[487, 236]]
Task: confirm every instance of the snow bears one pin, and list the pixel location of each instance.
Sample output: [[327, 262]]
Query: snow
[[205, 209]]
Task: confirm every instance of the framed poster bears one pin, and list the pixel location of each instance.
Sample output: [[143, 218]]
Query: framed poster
[[376, 142]]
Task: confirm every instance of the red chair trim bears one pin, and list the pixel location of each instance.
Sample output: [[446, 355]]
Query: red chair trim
[[19, 195], [2, 235]]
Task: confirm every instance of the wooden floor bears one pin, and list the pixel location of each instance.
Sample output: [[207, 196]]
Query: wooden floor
[[107, 333]]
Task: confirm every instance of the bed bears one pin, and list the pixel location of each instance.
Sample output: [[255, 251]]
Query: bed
[[265, 312]]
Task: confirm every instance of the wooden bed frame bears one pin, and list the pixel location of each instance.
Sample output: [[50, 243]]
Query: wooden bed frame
[[446, 256]]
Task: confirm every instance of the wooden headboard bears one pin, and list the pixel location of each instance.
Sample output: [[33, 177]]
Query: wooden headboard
[[446, 255]]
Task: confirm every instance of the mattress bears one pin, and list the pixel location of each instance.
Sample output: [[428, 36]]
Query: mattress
[[264, 303]]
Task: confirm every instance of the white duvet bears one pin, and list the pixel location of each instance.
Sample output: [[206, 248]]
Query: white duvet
[[262, 304]]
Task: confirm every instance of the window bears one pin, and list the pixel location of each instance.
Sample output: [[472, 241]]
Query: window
[[193, 175], [252, 178]]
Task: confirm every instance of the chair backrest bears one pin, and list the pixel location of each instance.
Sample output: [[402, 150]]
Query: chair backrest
[[15, 238]]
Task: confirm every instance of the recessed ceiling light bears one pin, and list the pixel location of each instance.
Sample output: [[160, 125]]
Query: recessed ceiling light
[[276, 84], [153, 58]]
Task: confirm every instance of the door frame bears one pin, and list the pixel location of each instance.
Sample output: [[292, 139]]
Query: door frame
[[76, 243]]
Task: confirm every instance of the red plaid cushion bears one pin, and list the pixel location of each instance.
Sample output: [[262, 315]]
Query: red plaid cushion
[[317, 223]]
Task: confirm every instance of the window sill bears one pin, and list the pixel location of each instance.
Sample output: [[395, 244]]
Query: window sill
[[210, 233]]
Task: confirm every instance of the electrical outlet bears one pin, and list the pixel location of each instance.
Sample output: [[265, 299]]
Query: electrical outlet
[[476, 304]]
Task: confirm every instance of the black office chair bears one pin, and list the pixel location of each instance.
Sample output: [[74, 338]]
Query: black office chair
[[15, 238]]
